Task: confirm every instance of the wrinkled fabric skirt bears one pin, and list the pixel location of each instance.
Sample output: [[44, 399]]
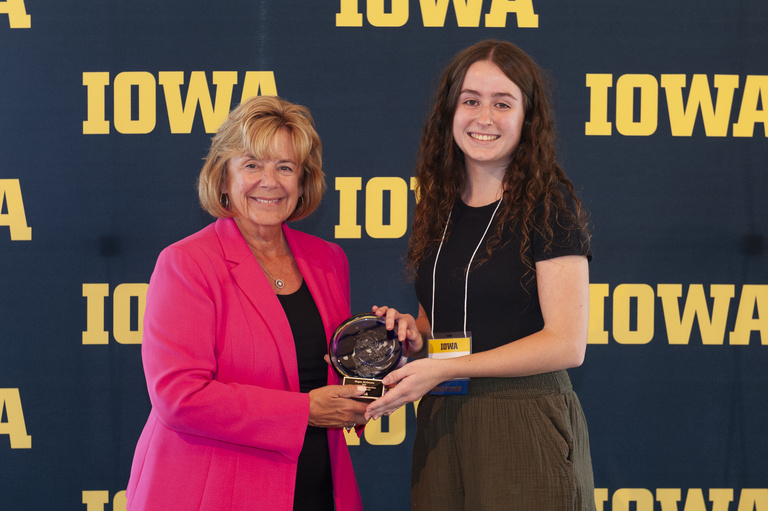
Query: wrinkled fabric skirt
[[512, 444]]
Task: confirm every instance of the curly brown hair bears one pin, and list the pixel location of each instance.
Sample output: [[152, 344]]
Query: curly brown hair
[[531, 183]]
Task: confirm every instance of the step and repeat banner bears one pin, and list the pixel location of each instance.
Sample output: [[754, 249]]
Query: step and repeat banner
[[107, 109]]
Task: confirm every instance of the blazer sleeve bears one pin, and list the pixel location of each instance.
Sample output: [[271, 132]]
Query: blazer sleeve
[[180, 355]]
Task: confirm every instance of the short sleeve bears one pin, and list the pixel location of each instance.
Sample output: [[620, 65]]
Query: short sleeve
[[569, 237]]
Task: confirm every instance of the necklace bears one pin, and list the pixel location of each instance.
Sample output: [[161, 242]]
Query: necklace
[[466, 281], [279, 284]]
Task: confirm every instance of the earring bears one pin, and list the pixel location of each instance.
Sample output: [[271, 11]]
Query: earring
[[224, 200]]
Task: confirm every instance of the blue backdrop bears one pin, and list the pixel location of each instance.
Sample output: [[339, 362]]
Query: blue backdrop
[[107, 109]]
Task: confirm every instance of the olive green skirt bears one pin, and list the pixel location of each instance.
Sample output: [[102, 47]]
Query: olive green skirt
[[512, 444]]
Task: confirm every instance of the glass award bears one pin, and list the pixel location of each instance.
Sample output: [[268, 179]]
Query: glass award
[[363, 351]]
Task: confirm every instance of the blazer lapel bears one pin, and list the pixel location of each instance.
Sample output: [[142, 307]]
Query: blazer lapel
[[325, 291], [247, 274]]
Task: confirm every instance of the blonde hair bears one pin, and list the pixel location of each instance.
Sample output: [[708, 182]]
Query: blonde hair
[[253, 127]]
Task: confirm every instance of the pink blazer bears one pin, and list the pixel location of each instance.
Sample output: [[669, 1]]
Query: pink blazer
[[227, 420]]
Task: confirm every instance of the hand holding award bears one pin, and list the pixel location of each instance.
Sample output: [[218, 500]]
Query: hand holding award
[[363, 351]]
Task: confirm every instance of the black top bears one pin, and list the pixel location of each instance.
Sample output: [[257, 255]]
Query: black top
[[314, 483], [502, 300], [309, 336]]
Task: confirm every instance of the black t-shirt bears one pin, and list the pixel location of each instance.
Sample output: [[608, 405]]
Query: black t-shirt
[[502, 300]]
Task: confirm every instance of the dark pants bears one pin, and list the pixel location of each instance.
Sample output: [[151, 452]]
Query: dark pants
[[510, 444]]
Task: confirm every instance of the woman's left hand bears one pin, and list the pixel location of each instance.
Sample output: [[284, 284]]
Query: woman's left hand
[[405, 324], [413, 380]]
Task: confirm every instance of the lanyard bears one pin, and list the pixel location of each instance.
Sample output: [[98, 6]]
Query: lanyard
[[466, 280]]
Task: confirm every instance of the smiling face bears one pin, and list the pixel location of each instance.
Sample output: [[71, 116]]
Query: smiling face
[[489, 118], [263, 191]]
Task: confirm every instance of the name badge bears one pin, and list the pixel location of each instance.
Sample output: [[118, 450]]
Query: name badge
[[450, 345]]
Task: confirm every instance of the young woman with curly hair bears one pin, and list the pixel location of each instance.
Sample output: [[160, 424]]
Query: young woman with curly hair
[[500, 251]]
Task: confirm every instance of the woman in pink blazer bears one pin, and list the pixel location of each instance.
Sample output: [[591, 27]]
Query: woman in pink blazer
[[246, 413]]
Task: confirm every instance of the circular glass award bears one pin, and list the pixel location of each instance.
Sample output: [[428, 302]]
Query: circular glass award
[[363, 351]]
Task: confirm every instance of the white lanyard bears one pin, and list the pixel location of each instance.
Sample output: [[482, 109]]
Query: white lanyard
[[466, 281]]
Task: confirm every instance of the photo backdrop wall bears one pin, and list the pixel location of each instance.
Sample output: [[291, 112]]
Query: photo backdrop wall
[[107, 109]]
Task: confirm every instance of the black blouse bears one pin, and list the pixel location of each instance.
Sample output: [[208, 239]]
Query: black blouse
[[502, 300], [314, 483]]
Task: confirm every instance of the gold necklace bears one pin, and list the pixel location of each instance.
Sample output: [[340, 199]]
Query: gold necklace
[[279, 284]]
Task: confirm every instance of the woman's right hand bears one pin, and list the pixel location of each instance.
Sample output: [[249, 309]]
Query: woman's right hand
[[334, 406], [410, 383]]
